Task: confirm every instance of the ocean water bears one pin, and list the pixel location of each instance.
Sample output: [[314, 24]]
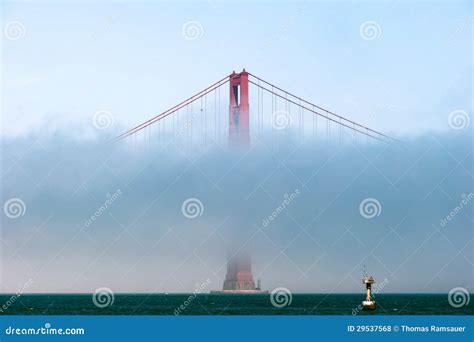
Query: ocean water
[[229, 304]]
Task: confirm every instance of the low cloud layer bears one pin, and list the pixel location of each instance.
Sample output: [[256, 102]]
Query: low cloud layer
[[161, 218]]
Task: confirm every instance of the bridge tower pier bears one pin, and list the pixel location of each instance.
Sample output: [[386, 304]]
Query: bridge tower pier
[[239, 130]]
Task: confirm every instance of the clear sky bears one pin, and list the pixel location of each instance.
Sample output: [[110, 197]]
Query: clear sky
[[133, 59], [402, 67]]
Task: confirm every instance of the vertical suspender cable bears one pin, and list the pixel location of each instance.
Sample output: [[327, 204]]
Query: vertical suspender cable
[[219, 117]]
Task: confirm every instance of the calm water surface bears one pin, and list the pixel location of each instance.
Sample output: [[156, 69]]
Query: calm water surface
[[217, 304]]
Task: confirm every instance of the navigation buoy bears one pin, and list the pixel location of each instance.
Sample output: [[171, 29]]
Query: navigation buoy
[[369, 302]]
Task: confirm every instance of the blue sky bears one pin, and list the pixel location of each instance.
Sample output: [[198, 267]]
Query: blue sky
[[132, 60]]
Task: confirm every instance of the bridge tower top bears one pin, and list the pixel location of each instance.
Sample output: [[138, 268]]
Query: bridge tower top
[[239, 128]]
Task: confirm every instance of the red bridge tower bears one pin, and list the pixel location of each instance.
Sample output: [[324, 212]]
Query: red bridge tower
[[239, 109]]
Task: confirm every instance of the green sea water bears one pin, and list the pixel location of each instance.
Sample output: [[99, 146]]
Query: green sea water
[[229, 304]]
